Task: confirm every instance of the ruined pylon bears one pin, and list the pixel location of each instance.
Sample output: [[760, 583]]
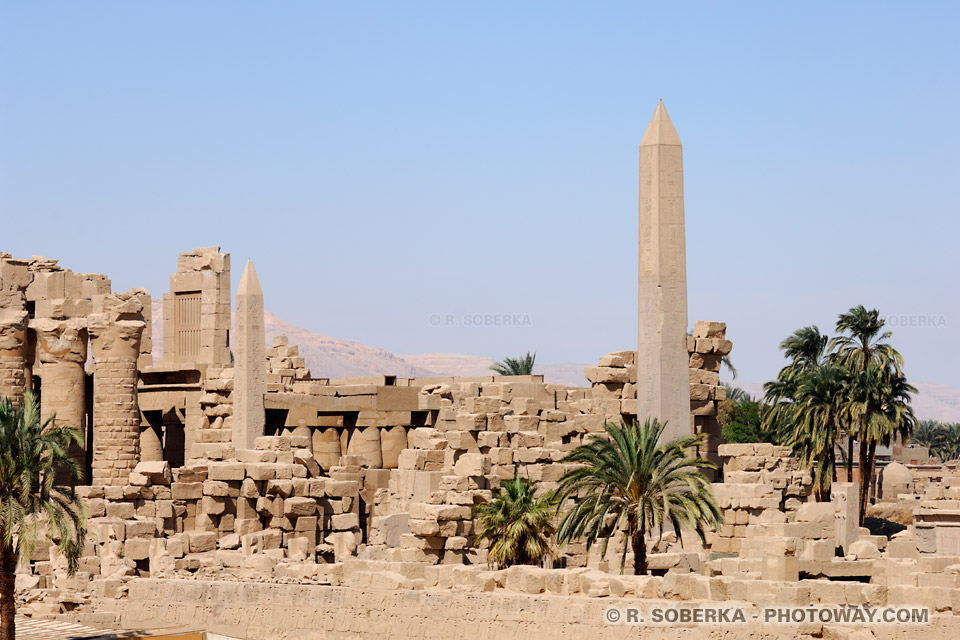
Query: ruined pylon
[[250, 364], [663, 375]]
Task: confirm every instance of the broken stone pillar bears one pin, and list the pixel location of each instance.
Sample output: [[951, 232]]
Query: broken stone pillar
[[392, 442], [115, 329], [365, 442], [846, 505], [62, 352], [326, 447], [13, 343], [250, 363], [663, 374], [151, 444], [15, 277]]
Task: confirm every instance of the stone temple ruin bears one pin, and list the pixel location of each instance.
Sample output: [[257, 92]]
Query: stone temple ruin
[[213, 469]]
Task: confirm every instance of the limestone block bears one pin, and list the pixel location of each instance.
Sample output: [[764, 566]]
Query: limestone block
[[201, 541], [902, 548], [137, 548], [607, 374], [193, 473], [157, 471], [341, 488], [138, 479], [423, 527], [305, 458], [864, 550], [121, 510], [344, 545], [783, 568], [296, 507], [216, 488], [212, 505], [524, 579], [225, 471], [707, 329], [261, 471], [703, 407], [612, 360], [701, 392], [595, 584], [472, 464]]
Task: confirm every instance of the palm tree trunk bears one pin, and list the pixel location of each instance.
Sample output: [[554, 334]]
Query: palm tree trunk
[[8, 605], [849, 457], [638, 540], [865, 473], [871, 460]]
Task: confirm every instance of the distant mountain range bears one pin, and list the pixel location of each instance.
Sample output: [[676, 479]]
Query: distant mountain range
[[329, 357]]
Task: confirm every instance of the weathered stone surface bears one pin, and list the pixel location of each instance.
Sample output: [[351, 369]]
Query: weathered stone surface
[[662, 358], [250, 367]]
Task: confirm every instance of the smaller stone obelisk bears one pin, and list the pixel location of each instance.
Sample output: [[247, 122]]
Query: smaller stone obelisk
[[250, 362]]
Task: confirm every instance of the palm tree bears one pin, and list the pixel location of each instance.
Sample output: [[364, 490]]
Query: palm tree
[[33, 455], [736, 394], [819, 402], [728, 363], [628, 482], [880, 404], [517, 523], [943, 440], [861, 349], [805, 350], [929, 434], [862, 344], [522, 366], [948, 447]]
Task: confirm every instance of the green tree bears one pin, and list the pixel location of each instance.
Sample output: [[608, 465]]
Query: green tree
[[819, 403], [880, 406], [518, 523], [805, 351], [736, 394], [943, 440], [522, 366], [948, 446], [876, 372], [741, 422], [33, 454], [628, 482], [928, 434]]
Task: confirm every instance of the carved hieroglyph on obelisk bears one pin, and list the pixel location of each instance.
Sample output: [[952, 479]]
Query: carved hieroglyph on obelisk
[[663, 368], [250, 362]]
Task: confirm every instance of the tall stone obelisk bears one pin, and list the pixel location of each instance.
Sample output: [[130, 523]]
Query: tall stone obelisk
[[250, 362], [663, 368]]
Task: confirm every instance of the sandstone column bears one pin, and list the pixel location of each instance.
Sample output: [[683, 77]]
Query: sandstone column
[[663, 375], [115, 328], [15, 277], [13, 344], [62, 352], [250, 363]]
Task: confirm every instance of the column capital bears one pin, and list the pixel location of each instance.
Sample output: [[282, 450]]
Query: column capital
[[116, 325], [59, 340]]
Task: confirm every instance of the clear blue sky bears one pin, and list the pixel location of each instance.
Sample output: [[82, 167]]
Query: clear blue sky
[[384, 162]]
